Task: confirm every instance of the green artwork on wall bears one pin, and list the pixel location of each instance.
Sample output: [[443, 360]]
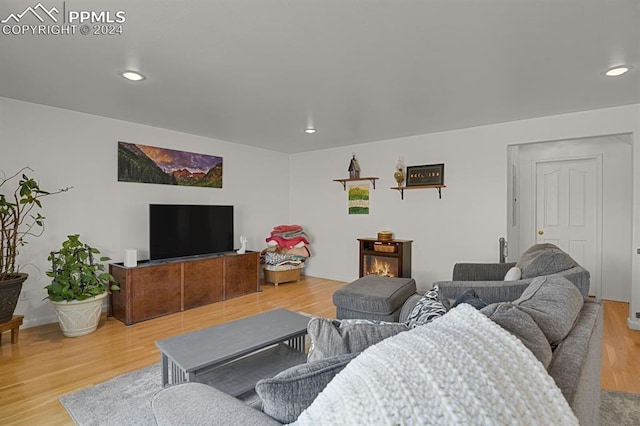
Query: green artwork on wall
[[359, 199]]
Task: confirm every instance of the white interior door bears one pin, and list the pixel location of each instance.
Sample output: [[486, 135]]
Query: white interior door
[[568, 202]]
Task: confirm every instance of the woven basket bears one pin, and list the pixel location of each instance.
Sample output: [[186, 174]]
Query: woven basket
[[385, 236], [385, 248], [277, 277]]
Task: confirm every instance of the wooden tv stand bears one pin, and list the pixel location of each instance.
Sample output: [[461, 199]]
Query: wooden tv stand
[[157, 288]]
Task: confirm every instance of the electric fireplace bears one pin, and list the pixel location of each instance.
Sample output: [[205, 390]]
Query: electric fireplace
[[390, 258]]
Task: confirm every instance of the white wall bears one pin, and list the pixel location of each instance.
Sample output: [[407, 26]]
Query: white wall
[[66, 148], [466, 224], [440, 228], [616, 202], [72, 149]]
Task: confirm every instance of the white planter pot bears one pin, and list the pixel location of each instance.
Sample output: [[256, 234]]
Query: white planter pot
[[79, 317]]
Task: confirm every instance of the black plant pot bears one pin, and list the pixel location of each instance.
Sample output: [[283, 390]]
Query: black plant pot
[[9, 294]]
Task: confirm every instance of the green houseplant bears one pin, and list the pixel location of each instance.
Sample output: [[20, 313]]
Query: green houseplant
[[20, 219], [78, 286]]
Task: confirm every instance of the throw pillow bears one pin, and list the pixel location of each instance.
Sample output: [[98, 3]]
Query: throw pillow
[[470, 298], [544, 259], [334, 337], [291, 391], [521, 325], [427, 309], [554, 303], [513, 274]]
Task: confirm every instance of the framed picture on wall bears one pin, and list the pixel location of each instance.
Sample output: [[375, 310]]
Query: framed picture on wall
[[152, 164], [430, 174]]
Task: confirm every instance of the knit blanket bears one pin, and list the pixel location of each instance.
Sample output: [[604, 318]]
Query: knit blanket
[[460, 369]]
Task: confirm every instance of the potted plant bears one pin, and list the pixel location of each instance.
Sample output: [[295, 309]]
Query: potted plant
[[20, 218], [79, 285]]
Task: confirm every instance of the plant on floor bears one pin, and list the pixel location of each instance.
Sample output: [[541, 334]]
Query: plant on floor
[[78, 286], [76, 275], [20, 219]]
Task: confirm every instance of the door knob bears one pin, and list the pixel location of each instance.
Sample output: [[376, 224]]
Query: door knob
[[541, 232]]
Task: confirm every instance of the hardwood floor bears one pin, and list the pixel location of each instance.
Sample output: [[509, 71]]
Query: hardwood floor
[[620, 350], [45, 365]]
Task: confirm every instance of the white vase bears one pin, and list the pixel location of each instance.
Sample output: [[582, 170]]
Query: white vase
[[79, 317]]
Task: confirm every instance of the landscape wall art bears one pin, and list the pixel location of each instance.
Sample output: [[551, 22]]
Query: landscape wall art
[[150, 164]]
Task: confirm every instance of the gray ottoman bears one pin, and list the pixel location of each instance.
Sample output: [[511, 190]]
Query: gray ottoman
[[373, 297]]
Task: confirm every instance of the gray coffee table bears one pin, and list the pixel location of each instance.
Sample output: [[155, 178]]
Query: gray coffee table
[[234, 356]]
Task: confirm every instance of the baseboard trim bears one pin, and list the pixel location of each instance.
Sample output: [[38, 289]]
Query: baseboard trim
[[633, 324], [49, 319], [35, 322]]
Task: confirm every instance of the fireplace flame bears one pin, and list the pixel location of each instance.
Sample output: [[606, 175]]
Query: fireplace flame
[[381, 268]]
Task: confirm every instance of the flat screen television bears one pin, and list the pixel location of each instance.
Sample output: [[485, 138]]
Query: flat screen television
[[179, 230]]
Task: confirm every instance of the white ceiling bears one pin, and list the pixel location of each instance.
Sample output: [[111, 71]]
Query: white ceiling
[[257, 72]]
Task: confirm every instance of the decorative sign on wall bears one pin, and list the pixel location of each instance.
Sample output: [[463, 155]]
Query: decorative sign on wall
[[150, 164], [431, 174], [359, 199]]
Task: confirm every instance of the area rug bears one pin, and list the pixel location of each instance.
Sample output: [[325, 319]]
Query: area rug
[[126, 400], [619, 408]]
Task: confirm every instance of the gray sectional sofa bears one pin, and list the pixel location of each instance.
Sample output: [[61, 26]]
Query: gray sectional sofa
[[570, 349], [488, 279], [575, 362]]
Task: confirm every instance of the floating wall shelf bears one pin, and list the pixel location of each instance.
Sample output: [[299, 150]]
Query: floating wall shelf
[[344, 181], [402, 188]]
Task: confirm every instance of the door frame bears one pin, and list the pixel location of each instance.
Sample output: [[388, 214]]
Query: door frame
[[597, 273]]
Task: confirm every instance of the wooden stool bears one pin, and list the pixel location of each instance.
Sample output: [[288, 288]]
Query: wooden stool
[[14, 326]]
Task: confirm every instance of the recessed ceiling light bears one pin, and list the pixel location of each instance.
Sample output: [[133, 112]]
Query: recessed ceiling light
[[310, 131], [616, 71], [132, 75]]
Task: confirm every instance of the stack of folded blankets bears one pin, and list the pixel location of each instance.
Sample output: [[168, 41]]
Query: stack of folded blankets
[[286, 251]]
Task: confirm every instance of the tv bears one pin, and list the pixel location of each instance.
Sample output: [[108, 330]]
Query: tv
[[180, 230]]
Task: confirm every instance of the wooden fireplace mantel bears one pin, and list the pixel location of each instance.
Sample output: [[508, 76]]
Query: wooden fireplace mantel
[[395, 250]]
